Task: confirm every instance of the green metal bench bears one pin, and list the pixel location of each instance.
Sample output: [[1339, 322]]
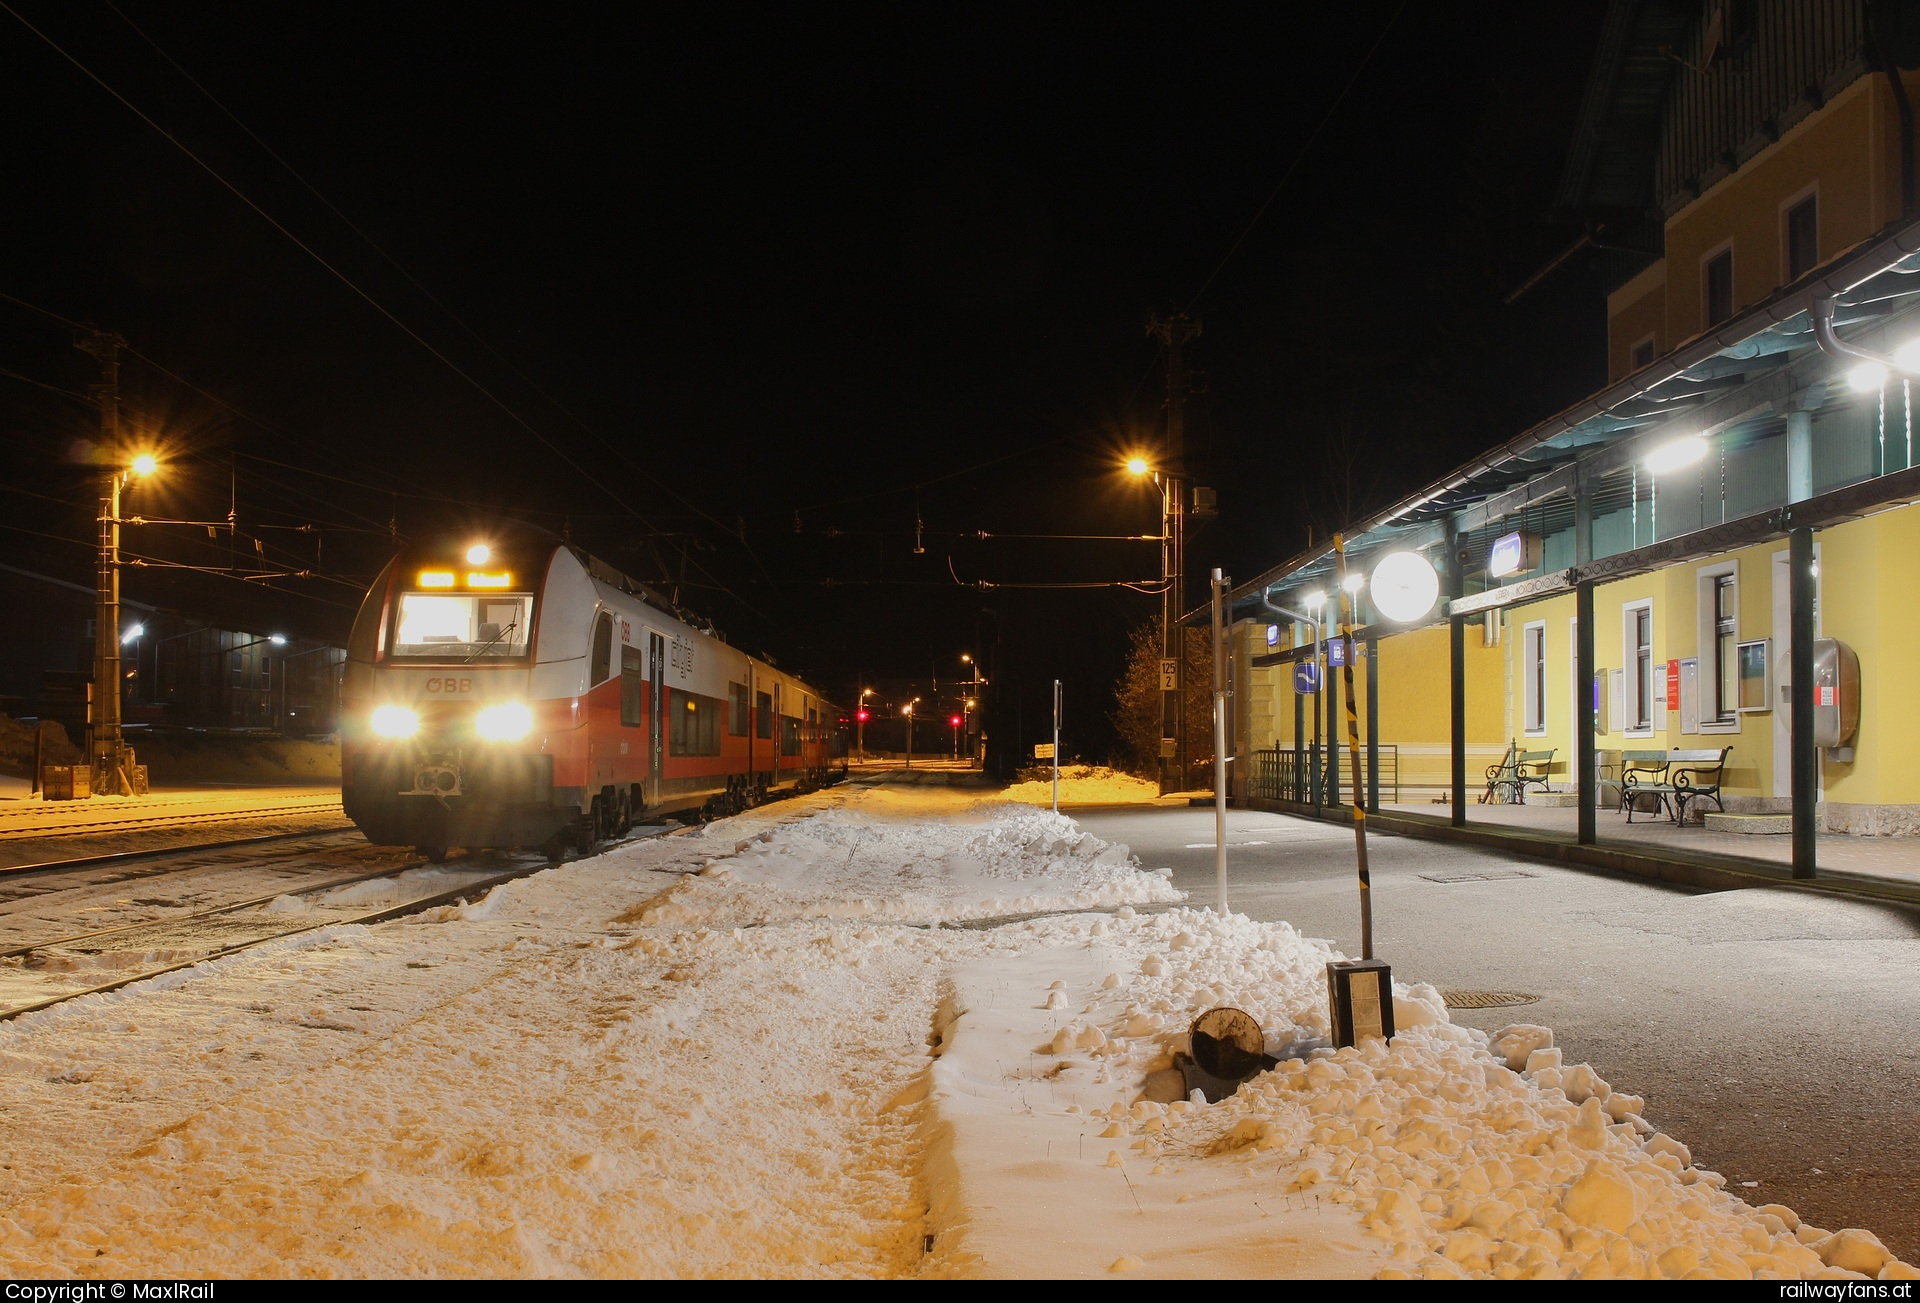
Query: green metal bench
[[1673, 778], [1531, 770], [1503, 778]]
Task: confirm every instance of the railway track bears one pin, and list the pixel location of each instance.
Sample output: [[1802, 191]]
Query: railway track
[[150, 818], [67, 932]]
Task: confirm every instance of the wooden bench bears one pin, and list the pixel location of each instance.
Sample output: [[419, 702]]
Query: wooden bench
[[1672, 778]]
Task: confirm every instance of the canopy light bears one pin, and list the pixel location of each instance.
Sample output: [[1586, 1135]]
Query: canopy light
[[394, 721], [1405, 586], [436, 579], [1907, 356], [145, 464], [1354, 582], [1315, 600], [132, 633], [1867, 377], [479, 554], [1677, 455]]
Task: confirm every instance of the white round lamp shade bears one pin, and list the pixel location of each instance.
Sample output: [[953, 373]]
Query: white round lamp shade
[[1405, 586]]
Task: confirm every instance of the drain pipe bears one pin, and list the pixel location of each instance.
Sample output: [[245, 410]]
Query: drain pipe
[[1821, 310]]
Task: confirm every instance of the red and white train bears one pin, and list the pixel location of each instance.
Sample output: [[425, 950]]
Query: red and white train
[[515, 691]]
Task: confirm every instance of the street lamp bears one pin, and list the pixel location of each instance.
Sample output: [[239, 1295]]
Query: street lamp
[[907, 710], [860, 724], [1173, 569], [108, 752]]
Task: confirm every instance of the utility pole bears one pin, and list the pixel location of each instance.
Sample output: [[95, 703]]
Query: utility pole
[[106, 746], [1174, 332]]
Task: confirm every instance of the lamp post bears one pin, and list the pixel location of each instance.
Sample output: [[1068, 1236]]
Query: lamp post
[[860, 724], [107, 749], [907, 710], [976, 683], [1173, 564]]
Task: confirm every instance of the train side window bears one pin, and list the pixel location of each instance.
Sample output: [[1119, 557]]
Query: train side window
[[763, 713], [737, 709], [790, 735], [602, 650], [695, 727], [813, 726], [633, 687]]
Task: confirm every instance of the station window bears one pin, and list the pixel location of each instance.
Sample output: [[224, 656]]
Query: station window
[[1639, 650], [1643, 353], [1718, 275], [1534, 659], [1726, 665], [763, 714], [1803, 237], [695, 727], [737, 709], [633, 687]]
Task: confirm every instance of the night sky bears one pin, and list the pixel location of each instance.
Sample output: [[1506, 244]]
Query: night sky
[[753, 288]]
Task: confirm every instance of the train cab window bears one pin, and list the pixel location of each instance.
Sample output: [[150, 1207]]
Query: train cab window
[[602, 650], [633, 687], [695, 726], [789, 735], [462, 626], [737, 709], [763, 713]]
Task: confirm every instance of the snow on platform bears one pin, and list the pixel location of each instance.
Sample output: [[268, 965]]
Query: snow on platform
[[803, 1043]]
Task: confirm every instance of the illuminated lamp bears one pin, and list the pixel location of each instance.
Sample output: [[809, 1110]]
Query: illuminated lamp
[[1354, 582], [1677, 455], [506, 721], [478, 554], [394, 721], [145, 464], [1405, 586], [1907, 356], [436, 579], [1137, 466], [479, 579]]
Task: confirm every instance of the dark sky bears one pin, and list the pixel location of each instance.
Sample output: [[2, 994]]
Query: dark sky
[[753, 287]]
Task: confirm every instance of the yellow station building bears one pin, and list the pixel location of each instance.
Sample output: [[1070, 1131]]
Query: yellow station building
[[1752, 167]]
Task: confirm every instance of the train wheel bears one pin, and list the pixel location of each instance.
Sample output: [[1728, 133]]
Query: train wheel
[[432, 852]]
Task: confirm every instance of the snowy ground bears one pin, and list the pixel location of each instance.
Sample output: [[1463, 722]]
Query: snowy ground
[[884, 1034]]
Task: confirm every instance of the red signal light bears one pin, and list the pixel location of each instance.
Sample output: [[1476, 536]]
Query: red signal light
[[861, 716], [954, 720]]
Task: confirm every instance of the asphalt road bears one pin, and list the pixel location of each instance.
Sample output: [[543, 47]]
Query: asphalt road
[[1773, 1031]]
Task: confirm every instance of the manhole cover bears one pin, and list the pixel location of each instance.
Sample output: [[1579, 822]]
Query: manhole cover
[[1485, 875], [1486, 999]]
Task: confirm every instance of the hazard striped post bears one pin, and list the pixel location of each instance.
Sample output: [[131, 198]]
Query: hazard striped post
[[1353, 750]]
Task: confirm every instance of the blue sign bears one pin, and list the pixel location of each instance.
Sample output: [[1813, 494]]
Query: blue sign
[[1336, 653], [1306, 676], [1273, 635]]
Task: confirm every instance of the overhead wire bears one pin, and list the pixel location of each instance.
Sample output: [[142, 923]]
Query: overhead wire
[[456, 318], [314, 254], [1299, 155]]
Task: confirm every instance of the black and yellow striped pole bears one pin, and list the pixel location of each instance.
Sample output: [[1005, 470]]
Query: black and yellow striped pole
[[1353, 750]]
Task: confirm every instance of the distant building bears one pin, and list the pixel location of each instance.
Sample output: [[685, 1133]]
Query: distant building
[[178, 669], [1744, 169]]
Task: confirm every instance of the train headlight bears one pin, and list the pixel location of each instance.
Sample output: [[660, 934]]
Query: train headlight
[[395, 721], [507, 722]]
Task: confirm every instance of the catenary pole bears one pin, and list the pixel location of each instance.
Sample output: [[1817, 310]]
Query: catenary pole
[[1345, 599]]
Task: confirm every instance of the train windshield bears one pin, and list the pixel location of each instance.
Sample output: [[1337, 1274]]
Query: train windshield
[[464, 627]]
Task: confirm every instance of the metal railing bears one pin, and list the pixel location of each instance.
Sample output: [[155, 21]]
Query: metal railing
[[1283, 774]]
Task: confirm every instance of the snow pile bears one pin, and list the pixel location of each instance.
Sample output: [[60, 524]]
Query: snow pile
[[1429, 1157], [995, 861], [746, 1051], [1083, 785]]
